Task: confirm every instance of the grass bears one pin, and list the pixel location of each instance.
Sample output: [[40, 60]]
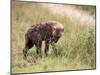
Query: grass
[[76, 48]]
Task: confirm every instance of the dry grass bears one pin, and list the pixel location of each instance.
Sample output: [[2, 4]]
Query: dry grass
[[76, 49]]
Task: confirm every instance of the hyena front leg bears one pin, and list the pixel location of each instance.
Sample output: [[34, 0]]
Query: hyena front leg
[[54, 48]]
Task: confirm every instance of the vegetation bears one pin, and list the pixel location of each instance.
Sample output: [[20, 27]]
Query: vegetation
[[76, 48], [89, 9]]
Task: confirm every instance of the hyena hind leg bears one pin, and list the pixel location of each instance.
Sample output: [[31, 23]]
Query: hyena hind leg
[[38, 48], [46, 48], [28, 45]]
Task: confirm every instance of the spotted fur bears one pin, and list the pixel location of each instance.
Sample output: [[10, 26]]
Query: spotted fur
[[49, 31]]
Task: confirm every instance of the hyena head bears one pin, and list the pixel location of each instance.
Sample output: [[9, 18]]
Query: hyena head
[[57, 30]]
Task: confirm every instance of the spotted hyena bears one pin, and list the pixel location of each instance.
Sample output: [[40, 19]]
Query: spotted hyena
[[49, 32]]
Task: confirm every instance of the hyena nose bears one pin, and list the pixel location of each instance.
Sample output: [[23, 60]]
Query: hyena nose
[[60, 34]]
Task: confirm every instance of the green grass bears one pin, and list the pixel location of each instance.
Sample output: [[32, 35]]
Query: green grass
[[76, 48]]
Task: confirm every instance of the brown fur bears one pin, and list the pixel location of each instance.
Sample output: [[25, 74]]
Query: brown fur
[[49, 31]]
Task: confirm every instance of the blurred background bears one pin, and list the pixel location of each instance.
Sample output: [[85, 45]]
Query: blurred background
[[76, 48]]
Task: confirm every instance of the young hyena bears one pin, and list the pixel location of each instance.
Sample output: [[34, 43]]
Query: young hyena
[[49, 31]]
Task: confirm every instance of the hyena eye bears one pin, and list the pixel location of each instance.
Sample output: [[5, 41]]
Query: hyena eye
[[62, 30]]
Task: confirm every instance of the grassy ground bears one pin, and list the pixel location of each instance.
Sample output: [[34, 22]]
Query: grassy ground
[[76, 49]]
